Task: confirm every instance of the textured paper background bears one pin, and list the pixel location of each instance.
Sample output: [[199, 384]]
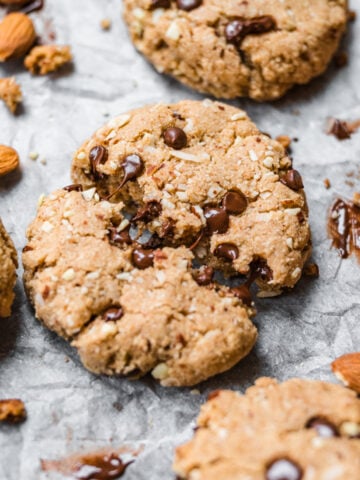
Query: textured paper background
[[300, 333]]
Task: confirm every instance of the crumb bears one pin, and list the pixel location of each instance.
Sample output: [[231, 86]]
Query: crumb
[[12, 410], [356, 199], [284, 140], [105, 24], [10, 93], [341, 59], [351, 16], [43, 161], [311, 270], [47, 58], [33, 156], [338, 128], [327, 183]]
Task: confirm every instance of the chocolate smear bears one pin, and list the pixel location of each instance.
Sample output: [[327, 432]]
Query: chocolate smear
[[344, 227], [101, 465], [97, 156], [148, 212], [243, 293]]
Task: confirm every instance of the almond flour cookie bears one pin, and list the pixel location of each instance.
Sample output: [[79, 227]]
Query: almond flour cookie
[[297, 430], [230, 49], [129, 309], [8, 265], [201, 174]]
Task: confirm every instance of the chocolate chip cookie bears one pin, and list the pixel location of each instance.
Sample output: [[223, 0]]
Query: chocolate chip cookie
[[297, 430], [230, 49], [8, 265], [201, 174], [129, 309]]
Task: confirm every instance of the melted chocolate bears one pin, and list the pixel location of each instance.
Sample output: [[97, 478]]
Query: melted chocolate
[[217, 220], [293, 180], [112, 314], [243, 293], [120, 238], [234, 203], [344, 228], [96, 466], [323, 427], [283, 469], [238, 29], [143, 258], [148, 212], [175, 137], [227, 251], [97, 156], [204, 275], [75, 187]]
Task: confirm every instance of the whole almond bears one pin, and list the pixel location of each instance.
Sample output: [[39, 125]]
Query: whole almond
[[9, 160], [17, 36], [347, 369]]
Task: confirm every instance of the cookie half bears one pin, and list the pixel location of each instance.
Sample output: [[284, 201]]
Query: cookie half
[[234, 49], [8, 265], [128, 309], [201, 174], [297, 430]]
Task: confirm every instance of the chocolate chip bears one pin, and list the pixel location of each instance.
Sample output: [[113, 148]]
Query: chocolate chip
[[75, 187], [236, 30], [217, 219], [148, 212], [293, 180], [204, 275], [133, 167], [260, 269], [113, 314], [160, 4], [142, 258], [175, 137], [227, 251], [323, 427], [97, 156], [188, 4], [235, 203], [120, 238], [283, 469], [243, 293]]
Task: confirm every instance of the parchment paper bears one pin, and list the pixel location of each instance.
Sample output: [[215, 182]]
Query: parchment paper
[[300, 333]]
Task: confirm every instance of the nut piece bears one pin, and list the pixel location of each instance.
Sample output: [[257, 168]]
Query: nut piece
[[17, 36], [12, 410], [47, 58], [10, 93], [105, 23], [9, 160], [284, 140], [347, 370]]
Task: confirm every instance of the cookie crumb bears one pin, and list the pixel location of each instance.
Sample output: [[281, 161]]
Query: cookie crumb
[[105, 24], [284, 140], [311, 270], [351, 16], [33, 156], [327, 183], [12, 410], [45, 59], [356, 199], [341, 59], [10, 93], [338, 128]]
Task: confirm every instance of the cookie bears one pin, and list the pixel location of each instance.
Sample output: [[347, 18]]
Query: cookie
[[297, 430], [129, 309], [201, 174], [8, 265], [234, 49]]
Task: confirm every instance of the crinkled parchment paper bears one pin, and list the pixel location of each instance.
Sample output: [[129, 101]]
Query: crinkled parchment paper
[[70, 409]]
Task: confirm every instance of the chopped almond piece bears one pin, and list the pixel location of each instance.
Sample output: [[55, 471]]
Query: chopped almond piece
[[10, 93]]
